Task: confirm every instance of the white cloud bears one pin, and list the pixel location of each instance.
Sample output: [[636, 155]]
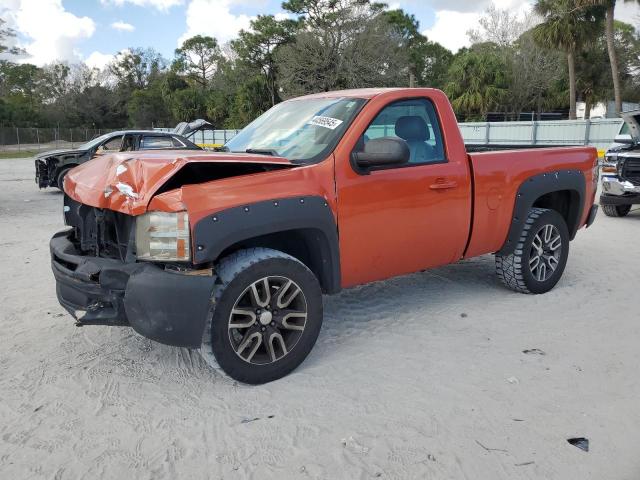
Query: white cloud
[[214, 18], [459, 16], [162, 5], [99, 60], [122, 26], [50, 31], [628, 12], [450, 28]]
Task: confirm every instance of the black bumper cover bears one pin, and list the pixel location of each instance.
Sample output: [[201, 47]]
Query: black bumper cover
[[167, 307]]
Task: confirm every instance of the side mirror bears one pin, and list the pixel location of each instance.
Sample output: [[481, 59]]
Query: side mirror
[[624, 138], [383, 152]]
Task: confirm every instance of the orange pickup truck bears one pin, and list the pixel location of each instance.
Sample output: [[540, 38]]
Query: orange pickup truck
[[231, 251]]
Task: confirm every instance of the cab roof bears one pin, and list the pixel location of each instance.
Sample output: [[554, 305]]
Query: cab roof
[[365, 93]]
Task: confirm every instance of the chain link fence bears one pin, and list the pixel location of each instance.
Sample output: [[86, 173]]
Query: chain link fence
[[42, 139]]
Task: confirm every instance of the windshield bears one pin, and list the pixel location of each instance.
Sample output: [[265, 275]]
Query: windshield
[[299, 130], [92, 143]]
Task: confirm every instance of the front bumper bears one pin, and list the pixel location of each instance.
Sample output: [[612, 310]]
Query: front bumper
[[613, 185], [42, 173], [617, 191], [167, 307]]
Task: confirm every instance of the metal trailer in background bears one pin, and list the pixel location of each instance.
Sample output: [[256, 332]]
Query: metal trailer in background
[[598, 132]]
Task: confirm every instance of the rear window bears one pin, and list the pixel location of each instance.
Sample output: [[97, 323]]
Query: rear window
[[148, 142]]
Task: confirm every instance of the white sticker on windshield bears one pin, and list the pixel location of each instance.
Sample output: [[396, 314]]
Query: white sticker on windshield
[[326, 122]]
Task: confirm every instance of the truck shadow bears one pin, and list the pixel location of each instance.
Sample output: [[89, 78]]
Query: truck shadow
[[408, 300]]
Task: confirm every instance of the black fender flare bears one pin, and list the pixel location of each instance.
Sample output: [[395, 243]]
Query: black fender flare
[[217, 232], [535, 187]]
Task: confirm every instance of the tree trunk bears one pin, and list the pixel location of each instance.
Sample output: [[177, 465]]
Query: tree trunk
[[587, 107], [613, 60], [572, 84]]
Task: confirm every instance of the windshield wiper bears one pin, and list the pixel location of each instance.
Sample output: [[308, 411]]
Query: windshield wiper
[[262, 151]]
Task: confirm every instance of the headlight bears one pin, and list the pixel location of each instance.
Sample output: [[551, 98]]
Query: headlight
[[162, 236], [610, 163]]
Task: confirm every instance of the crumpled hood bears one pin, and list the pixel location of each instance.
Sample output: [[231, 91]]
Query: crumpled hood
[[54, 153], [127, 181]]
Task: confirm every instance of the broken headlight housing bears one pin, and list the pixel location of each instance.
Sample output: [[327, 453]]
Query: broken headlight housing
[[163, 237]]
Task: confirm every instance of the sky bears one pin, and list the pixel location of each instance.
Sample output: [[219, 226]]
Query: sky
[[94, 30]]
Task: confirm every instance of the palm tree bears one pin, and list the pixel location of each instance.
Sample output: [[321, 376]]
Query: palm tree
[[567, 28], [610, 6]]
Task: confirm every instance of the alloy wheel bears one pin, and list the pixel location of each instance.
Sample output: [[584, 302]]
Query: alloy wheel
[[267, 320], [546, 250]]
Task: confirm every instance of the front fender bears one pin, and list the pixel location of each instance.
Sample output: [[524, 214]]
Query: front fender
[[215, 233]]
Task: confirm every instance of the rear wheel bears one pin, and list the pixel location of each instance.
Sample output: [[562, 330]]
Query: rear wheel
[[616, 210], [540, 256], [266, 317]]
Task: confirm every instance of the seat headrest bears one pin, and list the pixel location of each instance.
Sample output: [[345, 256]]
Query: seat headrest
[[412, 128]]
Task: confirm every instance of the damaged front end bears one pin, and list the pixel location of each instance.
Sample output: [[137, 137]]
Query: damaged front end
[[100, 281], [127, 257], [43, 172]]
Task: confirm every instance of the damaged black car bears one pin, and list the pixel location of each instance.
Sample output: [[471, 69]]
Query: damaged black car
[[52, 166]]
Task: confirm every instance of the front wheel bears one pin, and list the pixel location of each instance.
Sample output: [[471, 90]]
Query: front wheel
[[60, 178], [616, 210], [540, 256], [266, 316]]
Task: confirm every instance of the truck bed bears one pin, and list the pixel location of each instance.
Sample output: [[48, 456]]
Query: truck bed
[[497, 176]]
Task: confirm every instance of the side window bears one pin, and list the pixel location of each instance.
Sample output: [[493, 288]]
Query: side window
[[112, 145], [416, 122], [151, 142], [128, 144], [177, 142]]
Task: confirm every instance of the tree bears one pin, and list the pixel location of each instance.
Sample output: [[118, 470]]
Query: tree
[[341, 44], [198, 59], [478, 81], [535, 73], [135, 68], [568, 29], [428, 61], [609, 7], [7, 33], [501, 26], [256, 48]]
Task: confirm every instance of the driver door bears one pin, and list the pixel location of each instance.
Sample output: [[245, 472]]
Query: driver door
[[111, 145], [401, 219]]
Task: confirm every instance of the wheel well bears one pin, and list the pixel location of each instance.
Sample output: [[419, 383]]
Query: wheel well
[[567, 203], [309, 245]]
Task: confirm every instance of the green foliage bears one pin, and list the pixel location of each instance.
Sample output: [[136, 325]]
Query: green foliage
[[197, 59], [566, 26], [332, 44], [428, 61], [478, 81]]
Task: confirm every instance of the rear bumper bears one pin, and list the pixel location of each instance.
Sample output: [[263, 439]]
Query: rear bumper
[[167, 307]]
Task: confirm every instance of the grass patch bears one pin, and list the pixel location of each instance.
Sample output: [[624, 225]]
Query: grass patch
[[20, 154]]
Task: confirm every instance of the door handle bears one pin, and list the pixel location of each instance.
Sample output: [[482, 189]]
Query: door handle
[[443, 184]]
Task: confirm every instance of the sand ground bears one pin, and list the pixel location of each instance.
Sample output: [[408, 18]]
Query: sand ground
[[422, 376]]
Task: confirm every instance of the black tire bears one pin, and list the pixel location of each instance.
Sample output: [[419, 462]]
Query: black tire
[[616, 210], [515, 269], [60, 178], [237, 273]]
